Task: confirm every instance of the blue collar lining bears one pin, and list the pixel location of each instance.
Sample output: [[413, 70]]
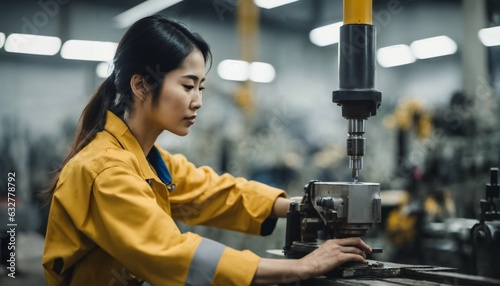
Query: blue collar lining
[[155, 159]]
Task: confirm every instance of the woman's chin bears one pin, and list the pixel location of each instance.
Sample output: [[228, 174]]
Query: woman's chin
[[181, 133]]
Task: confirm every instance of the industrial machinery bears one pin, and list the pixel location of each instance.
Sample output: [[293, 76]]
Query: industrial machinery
[[486, 234], [344, 209]]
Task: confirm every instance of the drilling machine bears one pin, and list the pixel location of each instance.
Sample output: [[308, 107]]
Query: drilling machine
[[346, 209], [343, 209]]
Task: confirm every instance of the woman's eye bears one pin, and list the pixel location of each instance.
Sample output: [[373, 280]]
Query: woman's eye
[[202, 89], [189, 87]]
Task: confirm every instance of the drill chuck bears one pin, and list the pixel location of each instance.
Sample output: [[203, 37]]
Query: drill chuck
[[355, 145]]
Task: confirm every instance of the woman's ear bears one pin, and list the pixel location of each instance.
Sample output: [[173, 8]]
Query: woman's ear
[[139, 86]]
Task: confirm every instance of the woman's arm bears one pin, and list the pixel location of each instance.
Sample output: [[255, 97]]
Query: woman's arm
[[281, 206], [328, 256], [204, 197]]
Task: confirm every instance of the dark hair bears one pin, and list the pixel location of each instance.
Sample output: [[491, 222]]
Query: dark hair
[[152, 47]]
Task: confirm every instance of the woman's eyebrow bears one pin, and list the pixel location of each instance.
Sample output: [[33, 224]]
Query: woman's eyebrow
[[193, 77]]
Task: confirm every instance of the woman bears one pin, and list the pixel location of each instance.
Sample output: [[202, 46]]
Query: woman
[[114, 201]]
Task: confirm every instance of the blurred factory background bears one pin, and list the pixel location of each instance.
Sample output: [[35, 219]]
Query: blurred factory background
[[268, 113]]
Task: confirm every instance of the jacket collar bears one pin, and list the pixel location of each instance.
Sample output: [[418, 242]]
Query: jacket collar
[[116, 127]]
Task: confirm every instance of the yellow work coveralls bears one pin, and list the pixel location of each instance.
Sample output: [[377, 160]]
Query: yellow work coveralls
[[111, 218]]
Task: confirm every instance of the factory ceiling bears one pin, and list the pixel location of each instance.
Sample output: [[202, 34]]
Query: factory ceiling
[[300, 16]]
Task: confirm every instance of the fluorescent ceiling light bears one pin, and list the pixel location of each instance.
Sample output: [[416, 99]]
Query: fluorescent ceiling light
[[262, 72], [142, 10], [269, 4], [88, 50], [433, 47], [2, 39], [234, 70], [241, 71], [104, 69], [490, 36], [32, 44], [326, 35], [395, 56]]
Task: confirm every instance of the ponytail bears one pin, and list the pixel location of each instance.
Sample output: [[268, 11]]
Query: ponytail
[[93, 116], [91, 122]]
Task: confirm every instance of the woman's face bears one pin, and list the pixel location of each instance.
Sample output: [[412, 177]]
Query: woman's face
[[180, 96]]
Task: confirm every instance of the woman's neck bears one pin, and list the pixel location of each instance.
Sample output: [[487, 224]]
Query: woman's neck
[[143, 132]]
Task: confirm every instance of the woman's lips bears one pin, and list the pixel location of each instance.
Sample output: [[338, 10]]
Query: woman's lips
[[191, 119]]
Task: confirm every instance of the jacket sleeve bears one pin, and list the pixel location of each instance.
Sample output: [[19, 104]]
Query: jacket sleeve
[[204, 197], [125, 220]]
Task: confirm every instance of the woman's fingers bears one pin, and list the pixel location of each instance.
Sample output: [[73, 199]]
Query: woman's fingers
[[353, 250], [350, 257], [345, 247], [351, 246], [354, 241], [334, 253]]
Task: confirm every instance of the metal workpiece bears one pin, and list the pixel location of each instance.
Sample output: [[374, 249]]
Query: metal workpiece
[[349, 209], [390, 274], [330, 210]]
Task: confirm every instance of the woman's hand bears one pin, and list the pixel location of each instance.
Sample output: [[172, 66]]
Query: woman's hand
[[328, 256], [332, 254]]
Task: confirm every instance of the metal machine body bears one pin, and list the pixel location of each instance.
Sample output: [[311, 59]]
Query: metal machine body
[[331, 210], [341, 209], [485, 235], [357, 94], [348, 209]]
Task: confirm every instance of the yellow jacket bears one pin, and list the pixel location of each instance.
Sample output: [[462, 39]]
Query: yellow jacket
[[111, 219]]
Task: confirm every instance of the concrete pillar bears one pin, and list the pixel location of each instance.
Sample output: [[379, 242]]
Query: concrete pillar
[[474, 53]]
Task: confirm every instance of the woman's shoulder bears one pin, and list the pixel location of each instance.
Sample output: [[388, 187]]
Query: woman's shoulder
[[167, 156], [95, 158]]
